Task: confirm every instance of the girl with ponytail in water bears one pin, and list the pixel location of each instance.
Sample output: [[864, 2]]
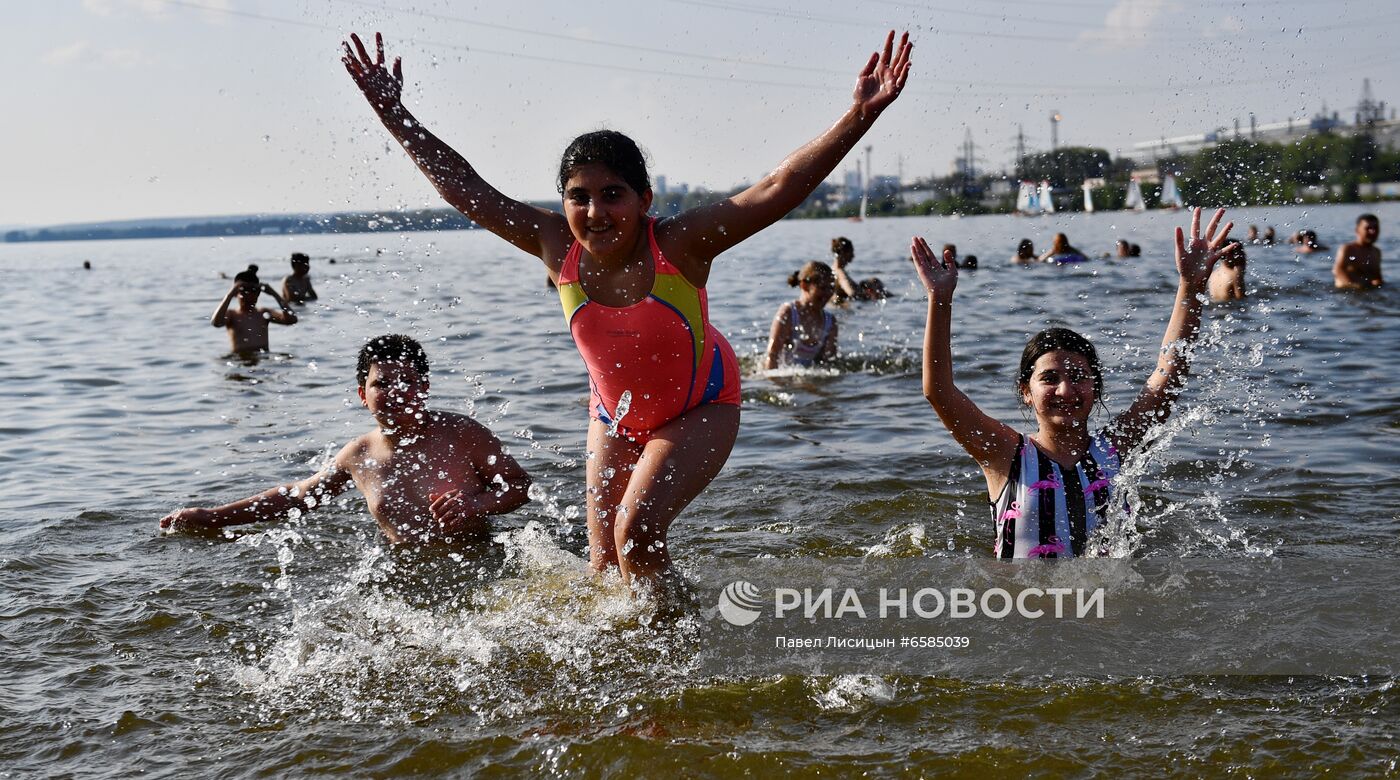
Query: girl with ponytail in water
[[1050, 490], [665, 384]]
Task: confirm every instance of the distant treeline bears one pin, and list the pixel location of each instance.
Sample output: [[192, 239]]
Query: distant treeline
[[1324, 167]]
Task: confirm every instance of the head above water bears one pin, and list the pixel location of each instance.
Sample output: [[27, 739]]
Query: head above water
[[1058, 339], [1060, 245], [611, 149], [391, 348], [300, 261], [1234, 256], [248, 278], [1368, 228], [842, 245], [1026, 248], [815, 277]]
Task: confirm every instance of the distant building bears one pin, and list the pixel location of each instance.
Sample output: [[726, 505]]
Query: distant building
[[660, 186], [1370, 117]]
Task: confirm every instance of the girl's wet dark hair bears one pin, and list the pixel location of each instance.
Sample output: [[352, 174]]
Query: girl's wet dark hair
[[391, 348], [815, 271], [617, 152], [248, 277], [1050, 340], [842, 244]]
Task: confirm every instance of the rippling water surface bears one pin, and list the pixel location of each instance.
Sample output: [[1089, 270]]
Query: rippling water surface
[[311, 647]]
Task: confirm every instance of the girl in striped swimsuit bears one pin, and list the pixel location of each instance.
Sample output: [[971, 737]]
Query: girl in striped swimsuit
[[665, 393], [1049, 491]]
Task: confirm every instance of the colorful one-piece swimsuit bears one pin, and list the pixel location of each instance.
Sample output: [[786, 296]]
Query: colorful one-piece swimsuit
[[1049, 511], [653, 361]]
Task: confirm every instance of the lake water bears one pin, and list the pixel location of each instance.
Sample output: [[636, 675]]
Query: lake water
[[308, 647]]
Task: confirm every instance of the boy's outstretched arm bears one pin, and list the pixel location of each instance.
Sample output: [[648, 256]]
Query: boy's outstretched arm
[[271, 504]]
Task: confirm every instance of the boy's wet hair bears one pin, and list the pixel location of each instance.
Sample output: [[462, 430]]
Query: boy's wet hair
[[1050, 340], [391, 348], [248, 277], [1372, 218], [300, 258], [613, 150], [842, 244], [1233, 256]]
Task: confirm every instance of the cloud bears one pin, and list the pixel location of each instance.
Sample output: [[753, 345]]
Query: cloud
[[64, 55], [83, 53], [155, 9], [1129, 23]]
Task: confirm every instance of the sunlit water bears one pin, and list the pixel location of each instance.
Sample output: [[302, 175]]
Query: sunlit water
[[311, 647]]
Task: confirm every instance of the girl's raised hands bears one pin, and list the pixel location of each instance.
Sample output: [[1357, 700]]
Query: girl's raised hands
[[939, 276], [1196, 258], [883, 77], [382, 88]]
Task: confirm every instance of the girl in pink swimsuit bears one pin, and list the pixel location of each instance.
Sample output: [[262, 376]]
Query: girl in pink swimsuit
[[665, 387]]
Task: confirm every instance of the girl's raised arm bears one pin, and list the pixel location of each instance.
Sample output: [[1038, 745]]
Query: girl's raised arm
[[541, 232], [699, 235], [990, 442], [1194, 261]]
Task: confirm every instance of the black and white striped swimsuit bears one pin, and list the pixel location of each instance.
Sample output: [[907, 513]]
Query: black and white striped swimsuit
[[1047, 511]]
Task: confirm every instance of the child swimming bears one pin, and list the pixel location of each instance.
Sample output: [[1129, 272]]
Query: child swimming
[[1050, 490], [665, 392], [1025, 253], [1358, 265], [1227, 280], [427, 476], [1062, 251], [847, 289], [247, 326], [804, 333]]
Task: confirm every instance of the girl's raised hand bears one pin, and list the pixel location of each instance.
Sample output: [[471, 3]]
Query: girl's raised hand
[[383, 89], [883, 77], [1196, 258], [939, 277]]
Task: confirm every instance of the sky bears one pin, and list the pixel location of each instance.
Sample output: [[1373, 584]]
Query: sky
[[123, 109]]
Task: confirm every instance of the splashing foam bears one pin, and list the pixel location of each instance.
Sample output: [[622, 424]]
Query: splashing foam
[[408, 640]]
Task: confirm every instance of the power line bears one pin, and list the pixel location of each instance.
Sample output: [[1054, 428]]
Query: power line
[[1015, 89]]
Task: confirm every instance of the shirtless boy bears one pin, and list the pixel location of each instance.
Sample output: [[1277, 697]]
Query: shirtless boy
[[1227, 279], [1358, 265], [247, 327], [296, 287], [427, 476]]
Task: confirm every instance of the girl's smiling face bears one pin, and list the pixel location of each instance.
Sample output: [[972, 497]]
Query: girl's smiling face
[[604, 213], [1060, 390]]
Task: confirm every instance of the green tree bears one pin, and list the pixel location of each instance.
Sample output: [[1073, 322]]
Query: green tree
[[1067, 166]]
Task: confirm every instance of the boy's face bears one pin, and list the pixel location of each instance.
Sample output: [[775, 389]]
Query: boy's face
[[248, 295], [1367, 231], [396, 394]]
